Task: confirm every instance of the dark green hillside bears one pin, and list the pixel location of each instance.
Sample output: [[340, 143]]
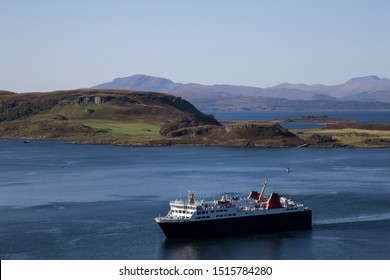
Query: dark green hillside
[[111, 104], [4, 92], [100, 116], [122, 117]]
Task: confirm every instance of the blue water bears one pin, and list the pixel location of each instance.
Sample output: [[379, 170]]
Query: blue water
[[362, 117], [61, 201]]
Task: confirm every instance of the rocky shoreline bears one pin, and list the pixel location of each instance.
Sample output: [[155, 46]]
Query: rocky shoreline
[[251, 134]]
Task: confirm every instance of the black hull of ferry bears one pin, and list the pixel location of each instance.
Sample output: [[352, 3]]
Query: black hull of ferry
[[242, 225]]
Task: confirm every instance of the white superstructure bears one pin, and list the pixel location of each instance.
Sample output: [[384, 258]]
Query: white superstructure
[[192, 210]]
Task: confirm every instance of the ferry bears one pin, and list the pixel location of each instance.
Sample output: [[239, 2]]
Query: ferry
[[233, 215]]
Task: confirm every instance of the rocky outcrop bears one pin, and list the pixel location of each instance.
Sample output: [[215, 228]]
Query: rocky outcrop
[[317, 140], [240, 134]]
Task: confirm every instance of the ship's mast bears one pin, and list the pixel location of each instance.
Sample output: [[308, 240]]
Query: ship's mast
[[191, 197], [262, 190]]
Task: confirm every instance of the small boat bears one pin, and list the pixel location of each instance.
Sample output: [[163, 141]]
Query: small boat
[[27, 141]]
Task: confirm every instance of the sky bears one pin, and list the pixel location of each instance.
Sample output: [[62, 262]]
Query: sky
[[50, 45]]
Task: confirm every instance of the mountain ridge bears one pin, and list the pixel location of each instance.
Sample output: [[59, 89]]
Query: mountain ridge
[[369, 92]]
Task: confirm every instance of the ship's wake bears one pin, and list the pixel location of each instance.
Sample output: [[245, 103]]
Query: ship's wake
[[354, 219]]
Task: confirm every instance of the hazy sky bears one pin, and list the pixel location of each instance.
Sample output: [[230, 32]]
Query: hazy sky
[[48, 45]]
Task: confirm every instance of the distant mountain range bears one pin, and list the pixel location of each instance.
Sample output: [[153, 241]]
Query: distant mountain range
[[370, 92]]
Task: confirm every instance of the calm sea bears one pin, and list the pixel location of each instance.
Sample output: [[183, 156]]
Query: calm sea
[[61, 201], [362, 117]]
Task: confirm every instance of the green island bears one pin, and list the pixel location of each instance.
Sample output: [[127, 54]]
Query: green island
[[137, 118]]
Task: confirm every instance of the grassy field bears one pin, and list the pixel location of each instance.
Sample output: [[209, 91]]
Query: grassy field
[[123, 129], [102, 131], [351, 137]]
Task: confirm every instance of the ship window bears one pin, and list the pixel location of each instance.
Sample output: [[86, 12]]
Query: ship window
[[234, 214], [212, 211], [225, 210], [230, 215], [203, 212], [198, 213], [208, 217]]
